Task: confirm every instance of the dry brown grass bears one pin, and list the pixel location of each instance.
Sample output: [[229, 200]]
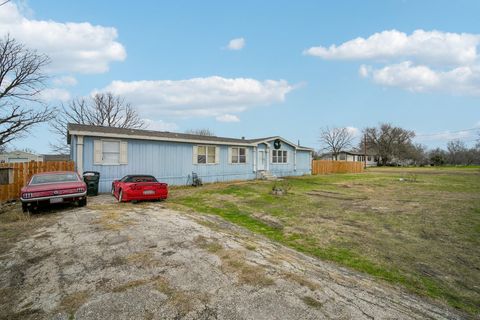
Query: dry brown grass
[[234, 261], [142, 259], [312, 302], [183, 301], [73, 301], [112, 217], [301, 280], [130, 284]]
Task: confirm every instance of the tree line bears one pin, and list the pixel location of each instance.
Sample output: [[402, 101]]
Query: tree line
[[393, 145]]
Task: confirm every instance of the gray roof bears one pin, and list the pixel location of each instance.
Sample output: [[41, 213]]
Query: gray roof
[[56, 157], [165, 134]]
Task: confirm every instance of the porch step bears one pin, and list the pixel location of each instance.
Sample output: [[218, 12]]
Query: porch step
[[266, 175]]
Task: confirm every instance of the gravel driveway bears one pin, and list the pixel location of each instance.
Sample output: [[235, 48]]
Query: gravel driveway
[[144, 261]]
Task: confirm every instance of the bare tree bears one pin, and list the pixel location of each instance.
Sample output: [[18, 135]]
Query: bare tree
[[335, 140], [201, 132], [103, 109], [21, 81], [389, 142]]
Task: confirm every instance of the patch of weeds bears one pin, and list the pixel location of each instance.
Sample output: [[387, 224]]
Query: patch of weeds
[[211, 245], [111, 218], [141, 259], [301, 280], [130, 285], [233, 261], [74, 301], [250, 247], [183, 301], [312, 302]]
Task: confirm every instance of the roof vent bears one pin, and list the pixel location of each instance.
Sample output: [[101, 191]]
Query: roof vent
[[243, 138]]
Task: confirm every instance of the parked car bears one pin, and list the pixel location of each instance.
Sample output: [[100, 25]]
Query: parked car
[[139, 187], [53, 187]]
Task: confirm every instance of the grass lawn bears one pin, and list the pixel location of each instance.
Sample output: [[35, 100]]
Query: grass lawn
[[416, 227]]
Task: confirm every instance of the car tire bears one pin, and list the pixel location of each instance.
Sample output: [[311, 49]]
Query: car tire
[[120, 195], [82, 203], [24, 207]]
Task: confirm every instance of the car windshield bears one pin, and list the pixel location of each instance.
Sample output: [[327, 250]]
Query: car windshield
[[54, 178], [139, 179]]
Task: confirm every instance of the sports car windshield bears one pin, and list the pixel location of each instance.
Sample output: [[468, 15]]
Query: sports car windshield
[[139, 179], [54, 178]]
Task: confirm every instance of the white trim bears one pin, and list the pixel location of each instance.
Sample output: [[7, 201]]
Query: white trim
[[230, 154], [294, 159], [194, 141], [119, 152], [79, 160], [280, 163], [145, 137], [217, 155]]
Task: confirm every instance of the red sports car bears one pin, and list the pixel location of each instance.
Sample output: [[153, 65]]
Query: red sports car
[[139, 187], [53, 187]]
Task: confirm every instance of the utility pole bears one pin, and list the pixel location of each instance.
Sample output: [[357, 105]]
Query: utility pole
[[365, 151]]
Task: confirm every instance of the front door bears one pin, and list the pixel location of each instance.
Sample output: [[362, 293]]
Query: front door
[[262, 160]]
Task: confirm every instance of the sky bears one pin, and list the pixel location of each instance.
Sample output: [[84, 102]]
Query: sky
[[263, 68]]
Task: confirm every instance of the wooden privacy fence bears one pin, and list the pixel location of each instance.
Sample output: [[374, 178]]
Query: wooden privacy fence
[[22, 172], [329, 166]]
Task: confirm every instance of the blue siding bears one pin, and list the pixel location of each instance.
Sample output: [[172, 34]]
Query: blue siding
[[172, 162]]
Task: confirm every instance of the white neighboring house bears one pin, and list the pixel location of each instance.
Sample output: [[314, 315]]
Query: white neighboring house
[[19, 156], [354, 156]]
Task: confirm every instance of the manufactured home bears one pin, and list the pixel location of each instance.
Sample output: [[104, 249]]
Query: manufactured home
[[173, 157]]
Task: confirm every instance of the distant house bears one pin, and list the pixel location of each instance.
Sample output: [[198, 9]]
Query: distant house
[[172, 157], [56, 157], [19, 156], [355, 156]]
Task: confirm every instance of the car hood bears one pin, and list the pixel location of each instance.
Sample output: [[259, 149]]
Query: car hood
[[54, 186]]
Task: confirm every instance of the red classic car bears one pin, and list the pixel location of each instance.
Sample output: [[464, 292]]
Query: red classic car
[[139, 187], [53, 187]]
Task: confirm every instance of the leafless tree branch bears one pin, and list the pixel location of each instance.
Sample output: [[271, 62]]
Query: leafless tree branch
[[21, 81], [103, 109], [335, 140]]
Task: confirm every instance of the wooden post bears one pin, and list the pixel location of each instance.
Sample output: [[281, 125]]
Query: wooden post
[[365, 151]]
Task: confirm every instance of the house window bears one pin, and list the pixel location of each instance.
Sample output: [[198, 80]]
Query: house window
[[111, 152], [206, 154], [239, 155], [279, 156], [369, 158], [342, 156]]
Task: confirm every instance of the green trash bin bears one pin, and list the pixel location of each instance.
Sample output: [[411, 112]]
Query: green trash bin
[[91, 178]]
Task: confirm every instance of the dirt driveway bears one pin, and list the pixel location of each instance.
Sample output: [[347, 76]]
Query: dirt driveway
[[144, 261]]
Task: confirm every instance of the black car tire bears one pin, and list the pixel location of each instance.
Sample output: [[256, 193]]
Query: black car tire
[[82, 203], [120, 195]]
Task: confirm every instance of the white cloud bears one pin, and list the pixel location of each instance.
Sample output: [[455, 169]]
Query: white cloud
[[425, 61], [420, 78], [205, 97], [236, 44], [354, 131], [160, 125], [228, 118], [72, 47], [65, 81], [54, 94], [433, 47]]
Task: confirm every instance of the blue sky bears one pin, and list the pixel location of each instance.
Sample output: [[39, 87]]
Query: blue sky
[[418, 65]]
